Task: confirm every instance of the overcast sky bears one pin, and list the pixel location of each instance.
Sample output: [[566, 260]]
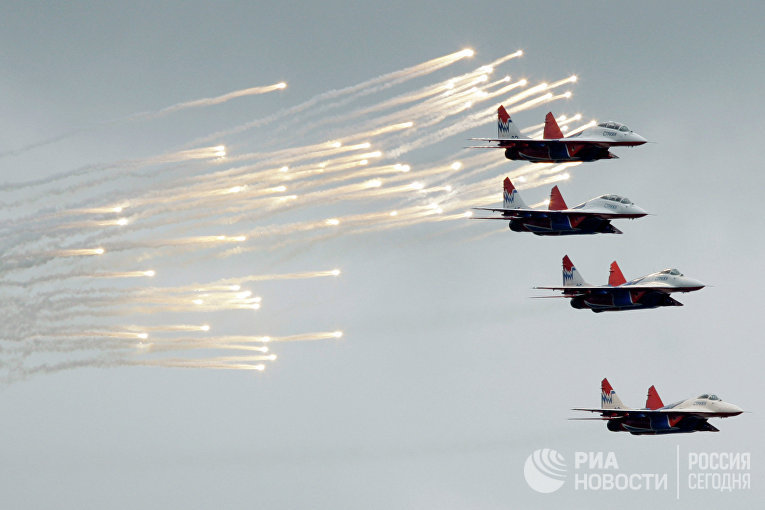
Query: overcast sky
[[448, 375]]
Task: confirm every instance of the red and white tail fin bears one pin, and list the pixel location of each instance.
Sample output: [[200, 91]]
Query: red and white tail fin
[[556, 200], [615, 276], [571, 277], [552, 131], [654, 400], [608, 397], [511, 198], [506, 129]]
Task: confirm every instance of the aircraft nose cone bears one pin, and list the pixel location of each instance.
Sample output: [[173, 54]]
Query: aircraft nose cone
[[733, 409], [639, 210], [639, 140], [693, 284]]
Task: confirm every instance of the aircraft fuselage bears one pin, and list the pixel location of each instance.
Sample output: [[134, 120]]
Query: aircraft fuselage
[[556, 152], [562, 225], [659, 425], [622, 299]]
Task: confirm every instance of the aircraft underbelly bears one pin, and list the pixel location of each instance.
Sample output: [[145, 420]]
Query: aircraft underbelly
[[612, 300], [560, 222], [662, 424], [559, 151], [543, 155], [556, 152], [619, 299], [561, 225], [644, 426]]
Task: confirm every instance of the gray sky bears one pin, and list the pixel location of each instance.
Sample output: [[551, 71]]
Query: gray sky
[[448, 376]]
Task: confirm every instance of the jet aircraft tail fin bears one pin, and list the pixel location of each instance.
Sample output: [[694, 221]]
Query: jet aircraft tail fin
[[506, 129], [511, 198], [571, 277], [608, 397], [556, 200], [552, 131], [615, 276], [653, 401]]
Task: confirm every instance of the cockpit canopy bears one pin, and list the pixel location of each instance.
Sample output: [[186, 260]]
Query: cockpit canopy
[[673, 272], [615, 126], [616, 198], [707, 396]]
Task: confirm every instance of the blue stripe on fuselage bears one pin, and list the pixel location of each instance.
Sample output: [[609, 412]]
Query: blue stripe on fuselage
[[558, 150]]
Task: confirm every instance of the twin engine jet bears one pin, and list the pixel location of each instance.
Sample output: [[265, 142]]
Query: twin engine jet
[[591, 217], [588, 145], [650, 291], [689, 415]]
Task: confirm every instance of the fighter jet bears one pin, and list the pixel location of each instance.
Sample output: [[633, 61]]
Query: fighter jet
[[650, 291], [588, 145], [591, 217], [681, 417]]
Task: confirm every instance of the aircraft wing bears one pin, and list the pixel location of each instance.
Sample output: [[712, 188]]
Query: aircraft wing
[[702, 413], [615, 413], [604, 289], [506, 140], [509, 213], [509, 142], [577, 290], [543, 213]]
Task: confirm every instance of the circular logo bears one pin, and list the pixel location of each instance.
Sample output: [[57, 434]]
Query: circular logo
[[545, 470]]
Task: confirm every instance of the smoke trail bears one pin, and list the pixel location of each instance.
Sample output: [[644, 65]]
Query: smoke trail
[[210, 101], [462, 126], [183, 155], [361, 89], [80, 261]]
